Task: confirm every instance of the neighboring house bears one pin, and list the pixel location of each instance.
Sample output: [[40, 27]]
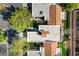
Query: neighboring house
[[52, 32], [74, 32]]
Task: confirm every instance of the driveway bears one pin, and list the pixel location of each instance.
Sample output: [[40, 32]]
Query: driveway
[[3, 50]]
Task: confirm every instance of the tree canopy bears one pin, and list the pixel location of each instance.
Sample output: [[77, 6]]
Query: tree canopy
[[20, 19], [71, 6], [17, 46]]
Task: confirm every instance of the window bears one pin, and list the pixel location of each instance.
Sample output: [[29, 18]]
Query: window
[[41, 12]]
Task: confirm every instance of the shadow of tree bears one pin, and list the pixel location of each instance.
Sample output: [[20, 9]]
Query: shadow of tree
[[29, 7], [11, 35], [8, 12]]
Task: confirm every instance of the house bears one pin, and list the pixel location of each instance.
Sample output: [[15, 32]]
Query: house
[[54, 19], [48, 33], [51, 33], [74, 32]]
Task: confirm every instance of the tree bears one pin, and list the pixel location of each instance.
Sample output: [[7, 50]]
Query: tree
[[20, 19], [17, 46], [71, 6]]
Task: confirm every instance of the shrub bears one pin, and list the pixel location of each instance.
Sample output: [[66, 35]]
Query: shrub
[[2, 35]]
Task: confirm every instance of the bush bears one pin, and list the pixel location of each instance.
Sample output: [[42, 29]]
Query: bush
[[63, 49], [17, 47], [65, 37], [2, 35], [66, 25], [30, 44], [71, 6]]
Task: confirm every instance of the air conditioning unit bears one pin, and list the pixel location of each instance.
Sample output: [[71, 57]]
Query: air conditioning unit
[[63, 15]]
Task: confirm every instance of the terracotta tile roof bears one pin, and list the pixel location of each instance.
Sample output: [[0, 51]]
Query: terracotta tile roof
[[50, 48], [55, 15], [54, 19]]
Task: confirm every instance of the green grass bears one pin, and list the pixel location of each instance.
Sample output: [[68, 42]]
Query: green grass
[[2, 36]]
